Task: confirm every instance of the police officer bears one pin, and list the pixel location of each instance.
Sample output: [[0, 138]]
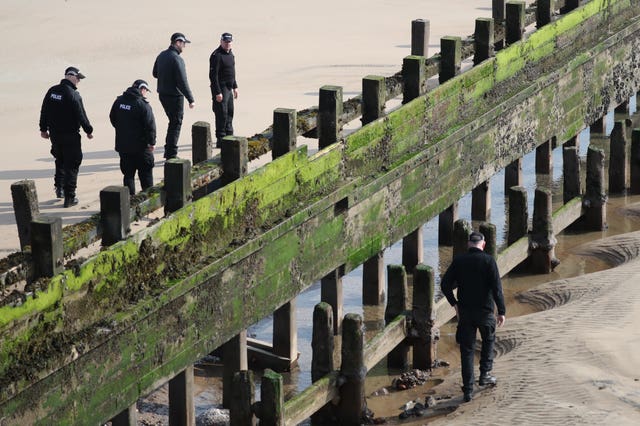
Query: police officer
[[132, 117], [173, 87], [476, 276], [224, 88], [61, 116]]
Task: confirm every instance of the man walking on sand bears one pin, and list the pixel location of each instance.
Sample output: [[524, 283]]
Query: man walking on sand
[[475, 275], [132, 117], [173, 87], [224, 88], [61, 116]]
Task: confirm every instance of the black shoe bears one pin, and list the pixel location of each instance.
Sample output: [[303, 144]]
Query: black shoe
[[70, 201], [468, 396], [59, 192], [487, 379]]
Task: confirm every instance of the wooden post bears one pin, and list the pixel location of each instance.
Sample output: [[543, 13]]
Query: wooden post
[[285, 131], [481, 201], [285, 333], [413, 77], [635, 162], [128, 417], [322, 347], [542, 241], [514, 16], [618, 161], [412, 250], [461, 231], [424, 346], [373, 98], [483, 40], [240, 413], [272, 399], [497, 13], [181, 408], [497, 10], [446, 219], [450, 57], [46, 246], [595, 197], [373, 282], [570, 174], [234, 358], [573, 141], [397, 301], [598, 126], [623, 108], [331, 292], [329, 113], [353, 370], [544, 159], [513, 174], [569, 5], [420, 37], [544, 12], [489, 231], [518, 214], [114, 214], [201, 146], [25, 208], [235, 158], [177, 184]]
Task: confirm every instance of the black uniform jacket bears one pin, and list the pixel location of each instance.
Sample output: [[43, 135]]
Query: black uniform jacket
[[62, 110], [222, 71], [171, 73], [476, 276], [132, 117]]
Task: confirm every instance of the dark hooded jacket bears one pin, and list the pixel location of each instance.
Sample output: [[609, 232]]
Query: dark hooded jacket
[[62, 110], [132, 117]]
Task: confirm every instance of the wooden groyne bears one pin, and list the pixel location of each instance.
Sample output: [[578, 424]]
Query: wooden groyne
[[89, 341]]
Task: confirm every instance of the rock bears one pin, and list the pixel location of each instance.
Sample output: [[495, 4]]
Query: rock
[[213, 417], [430, 401]]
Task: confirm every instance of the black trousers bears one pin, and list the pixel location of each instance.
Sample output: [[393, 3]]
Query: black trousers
[[143, 163], [224, 115], [67, 151], [468, 324], [174, 108]]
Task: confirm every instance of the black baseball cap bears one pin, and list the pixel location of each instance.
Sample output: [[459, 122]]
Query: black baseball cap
[[179, 37], [141, 84], [226, 37], [74, 71], [476, 237]]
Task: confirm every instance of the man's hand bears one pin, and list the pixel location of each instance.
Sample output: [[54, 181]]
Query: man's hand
[[150, 148], [192, 105], [44, 135], [90, 135], [235, 93], [501, 319], [219, 97]]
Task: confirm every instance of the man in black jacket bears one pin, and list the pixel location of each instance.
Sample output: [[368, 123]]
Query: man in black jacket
[[224, 88], [173, 87], [61, 116], [476, 276], [132, 117]]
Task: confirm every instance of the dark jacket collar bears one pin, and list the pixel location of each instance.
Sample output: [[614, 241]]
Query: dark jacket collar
[[68, 83]]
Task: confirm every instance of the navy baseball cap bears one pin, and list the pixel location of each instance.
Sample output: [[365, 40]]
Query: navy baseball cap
[[476, 237], [226, 37], [179, 37], [74, 72]]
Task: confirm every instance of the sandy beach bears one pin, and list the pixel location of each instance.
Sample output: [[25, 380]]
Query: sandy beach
[[574, 361], [285, 51]]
